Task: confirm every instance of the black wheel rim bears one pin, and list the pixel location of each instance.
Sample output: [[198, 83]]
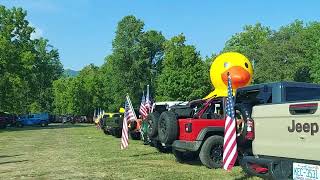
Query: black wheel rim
[[216, 153], [150, 125], [163, 127]]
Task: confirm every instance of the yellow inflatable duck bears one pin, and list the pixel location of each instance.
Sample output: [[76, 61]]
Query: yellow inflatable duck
[[237, 65]]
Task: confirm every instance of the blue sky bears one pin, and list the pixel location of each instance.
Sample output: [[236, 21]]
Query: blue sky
[[83, 30]]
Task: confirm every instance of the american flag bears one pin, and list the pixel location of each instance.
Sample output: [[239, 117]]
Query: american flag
[[129, 115], [230, 153], [148, 103], [143, 110]]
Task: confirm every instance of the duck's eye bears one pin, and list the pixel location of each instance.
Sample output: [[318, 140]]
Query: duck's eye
[[226, 65], [246, 64]]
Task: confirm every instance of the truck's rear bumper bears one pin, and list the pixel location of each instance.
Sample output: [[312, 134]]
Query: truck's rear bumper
[[261, 167], [186, 145]]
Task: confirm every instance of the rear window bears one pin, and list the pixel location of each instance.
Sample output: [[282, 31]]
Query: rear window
[[254, 96], [160, 108], [302, 93]]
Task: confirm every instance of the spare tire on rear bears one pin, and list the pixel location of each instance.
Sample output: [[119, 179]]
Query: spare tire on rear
[[118, 121], [168, 127], [152, 121]]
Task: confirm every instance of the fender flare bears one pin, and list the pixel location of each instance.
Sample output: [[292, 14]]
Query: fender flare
[[204, 131]]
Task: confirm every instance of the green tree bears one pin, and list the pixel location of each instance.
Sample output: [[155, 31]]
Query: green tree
[[47, 68], [283, 56], [311, 41], [88, 94], [27, 66], [184, 75], [133, 63]]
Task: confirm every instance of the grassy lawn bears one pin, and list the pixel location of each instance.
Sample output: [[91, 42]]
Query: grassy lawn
[[83, 152]]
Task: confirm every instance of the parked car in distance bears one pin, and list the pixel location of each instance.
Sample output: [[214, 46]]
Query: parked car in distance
[[111, 123], [7, 119], [41, 119]]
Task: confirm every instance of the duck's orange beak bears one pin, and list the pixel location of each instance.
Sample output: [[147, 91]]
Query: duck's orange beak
[[239, 76]]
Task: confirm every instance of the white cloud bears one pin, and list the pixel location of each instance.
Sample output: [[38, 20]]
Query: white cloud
[[38, 33]]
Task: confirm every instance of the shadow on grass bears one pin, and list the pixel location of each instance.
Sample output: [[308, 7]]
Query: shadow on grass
[[7, 162], [6, 156], [195, 162], [144, 154], [50, 126]]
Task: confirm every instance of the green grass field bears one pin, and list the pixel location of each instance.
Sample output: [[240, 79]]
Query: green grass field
[[83, 152]]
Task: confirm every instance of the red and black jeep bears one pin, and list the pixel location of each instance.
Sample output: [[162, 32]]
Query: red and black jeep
[[199, 134]]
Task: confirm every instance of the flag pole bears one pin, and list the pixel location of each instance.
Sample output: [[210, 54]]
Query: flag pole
[[148, 99]]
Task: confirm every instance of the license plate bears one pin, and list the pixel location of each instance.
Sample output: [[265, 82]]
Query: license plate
[[306, 171]]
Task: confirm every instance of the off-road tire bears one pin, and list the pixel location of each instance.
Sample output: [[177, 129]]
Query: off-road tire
[[106, 132], [152, 121], [135, 135], [118, 121], [212, 151], [19, 125], [168, 127], [118, 133], [160, 148], [43, 123]]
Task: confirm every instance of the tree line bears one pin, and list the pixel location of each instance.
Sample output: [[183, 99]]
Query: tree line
[[176, 71], [31, 73]]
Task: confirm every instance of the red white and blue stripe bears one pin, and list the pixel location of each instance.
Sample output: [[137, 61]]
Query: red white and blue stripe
[[148, 103], [230, 153], [143, 109], [129, 115]]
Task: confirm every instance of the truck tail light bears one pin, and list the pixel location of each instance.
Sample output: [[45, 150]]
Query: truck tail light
[[188, 127], [250, 129]]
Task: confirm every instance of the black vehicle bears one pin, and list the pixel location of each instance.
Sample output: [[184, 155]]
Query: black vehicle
[[7, 119]]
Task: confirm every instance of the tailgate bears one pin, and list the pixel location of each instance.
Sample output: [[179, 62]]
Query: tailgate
[[287, 130]]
